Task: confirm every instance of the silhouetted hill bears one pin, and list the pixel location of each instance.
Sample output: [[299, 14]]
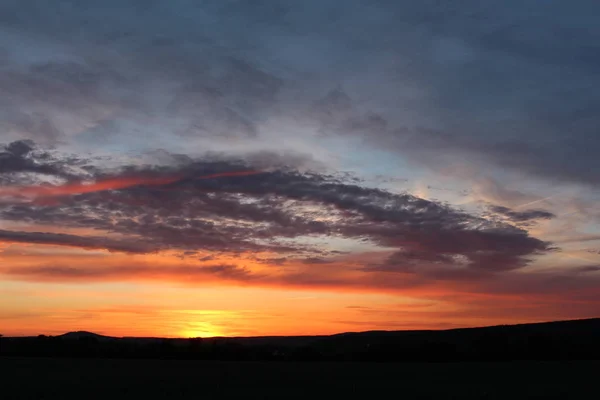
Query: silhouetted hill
[[548, 340], [562, 340]]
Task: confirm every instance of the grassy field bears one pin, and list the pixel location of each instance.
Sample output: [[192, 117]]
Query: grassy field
[[36, 378]]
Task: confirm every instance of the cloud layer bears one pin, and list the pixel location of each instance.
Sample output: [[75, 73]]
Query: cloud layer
[[225, 206], [512, 83]]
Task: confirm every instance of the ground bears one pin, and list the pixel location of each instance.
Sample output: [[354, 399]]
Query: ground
[[37, 378]]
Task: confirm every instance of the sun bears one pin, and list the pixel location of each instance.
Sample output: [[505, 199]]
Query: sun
[[201, 330], [195, 333]]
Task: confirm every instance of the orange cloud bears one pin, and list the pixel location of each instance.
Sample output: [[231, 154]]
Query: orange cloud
[[339, 276], [46, 192], [47, 195], [344, 297]]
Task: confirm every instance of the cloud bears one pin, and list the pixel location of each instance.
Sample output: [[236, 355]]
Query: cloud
[[412, 261], [589, 268], [230, 272], [155, 76], [93, 85], [180, 273], [522, 216], [21, 157], [85, 242], [48, 192], [316, 260], [227, 206], [480, 296]]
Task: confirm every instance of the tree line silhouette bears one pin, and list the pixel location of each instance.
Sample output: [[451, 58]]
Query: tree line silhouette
[[568, 340]]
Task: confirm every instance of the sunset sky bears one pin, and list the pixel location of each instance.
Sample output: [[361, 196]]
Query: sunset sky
[[281, 167]]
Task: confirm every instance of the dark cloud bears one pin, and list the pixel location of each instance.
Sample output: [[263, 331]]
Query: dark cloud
[[263, 211], [411, 261], [277, 261], [315, 260], [522, 216], [85, 242], [22, 157], [589, 268], [183, 272], [228, 271], [19, 148]]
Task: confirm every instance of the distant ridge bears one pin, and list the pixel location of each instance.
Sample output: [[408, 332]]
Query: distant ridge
[[585, 323], [560, 340]]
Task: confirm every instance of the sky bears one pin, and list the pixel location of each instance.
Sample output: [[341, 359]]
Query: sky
[[276, 167]]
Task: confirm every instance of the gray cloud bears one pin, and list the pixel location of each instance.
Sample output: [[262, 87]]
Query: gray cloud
[[182, 272], [478, 82], [86, 242], [263, 211], [22, 163], [17, 157], [316, 260], [589, 268], [522, 216]]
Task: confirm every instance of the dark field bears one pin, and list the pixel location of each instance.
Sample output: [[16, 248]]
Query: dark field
[[38, 378]]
